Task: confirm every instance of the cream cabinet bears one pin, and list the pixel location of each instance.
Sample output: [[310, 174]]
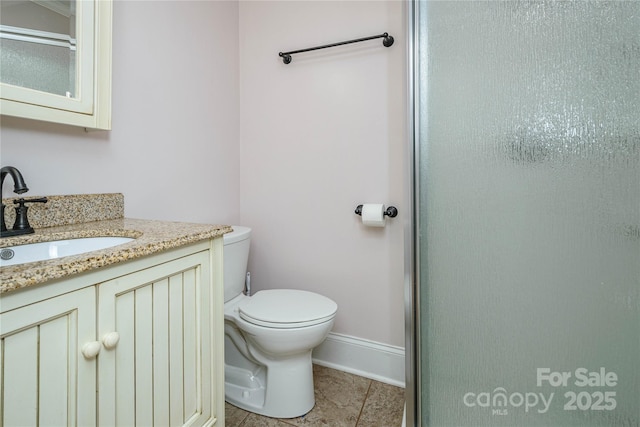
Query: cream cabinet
[[87, 102], [139, 345], [164, 346], [45, 378]]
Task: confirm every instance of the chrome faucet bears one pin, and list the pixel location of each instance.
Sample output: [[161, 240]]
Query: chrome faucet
[[21, 225]]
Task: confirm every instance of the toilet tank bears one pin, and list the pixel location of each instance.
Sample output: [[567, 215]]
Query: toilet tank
[[236, 257]]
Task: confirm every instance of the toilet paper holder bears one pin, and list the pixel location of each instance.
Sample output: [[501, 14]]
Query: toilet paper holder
[[391, 211]]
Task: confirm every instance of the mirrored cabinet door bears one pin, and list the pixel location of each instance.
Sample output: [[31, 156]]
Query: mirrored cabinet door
[[55, 61]]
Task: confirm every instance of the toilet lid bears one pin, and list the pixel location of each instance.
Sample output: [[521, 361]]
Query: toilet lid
[[287, 308]]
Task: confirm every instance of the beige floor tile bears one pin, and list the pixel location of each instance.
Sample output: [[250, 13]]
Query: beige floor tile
[[384, 406], [255, 420], [234, 416]]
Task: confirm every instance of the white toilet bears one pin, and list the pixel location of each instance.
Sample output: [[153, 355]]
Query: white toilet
[[269, 338]]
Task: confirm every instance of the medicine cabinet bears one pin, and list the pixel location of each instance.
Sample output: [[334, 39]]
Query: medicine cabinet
[[56, 61]]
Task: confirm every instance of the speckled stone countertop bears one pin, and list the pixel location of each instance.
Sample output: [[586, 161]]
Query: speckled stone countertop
[[150, 237], [68, 209]]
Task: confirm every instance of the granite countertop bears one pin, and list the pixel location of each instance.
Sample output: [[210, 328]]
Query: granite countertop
[[150, 237]]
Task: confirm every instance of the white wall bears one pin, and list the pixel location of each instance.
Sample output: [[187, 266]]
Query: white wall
[[318, 137], [173, 150]]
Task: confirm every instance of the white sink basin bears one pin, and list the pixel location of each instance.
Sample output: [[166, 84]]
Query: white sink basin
[[56, 249]]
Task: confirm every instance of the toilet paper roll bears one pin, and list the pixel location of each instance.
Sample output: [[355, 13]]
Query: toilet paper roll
[[373, 215]]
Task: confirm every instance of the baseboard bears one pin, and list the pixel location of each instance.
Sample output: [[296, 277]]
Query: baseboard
[[369, 359]]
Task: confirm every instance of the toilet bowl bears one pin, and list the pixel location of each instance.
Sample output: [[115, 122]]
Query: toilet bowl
[[269, 338]]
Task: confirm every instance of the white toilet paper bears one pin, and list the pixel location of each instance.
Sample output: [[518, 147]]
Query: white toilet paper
[[373, 215]]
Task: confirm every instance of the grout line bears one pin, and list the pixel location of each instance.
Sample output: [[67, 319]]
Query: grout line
[[364, 402], [243, 420]]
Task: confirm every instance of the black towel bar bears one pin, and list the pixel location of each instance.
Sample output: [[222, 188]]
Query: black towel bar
[[286, 56]]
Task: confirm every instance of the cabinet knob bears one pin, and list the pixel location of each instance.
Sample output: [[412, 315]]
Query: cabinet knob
[[91, 349], [110, 340]]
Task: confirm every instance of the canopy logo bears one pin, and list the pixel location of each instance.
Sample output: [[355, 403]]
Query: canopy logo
[[500, 401]]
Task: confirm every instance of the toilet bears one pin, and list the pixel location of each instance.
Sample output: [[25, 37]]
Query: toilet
[[269, 337]]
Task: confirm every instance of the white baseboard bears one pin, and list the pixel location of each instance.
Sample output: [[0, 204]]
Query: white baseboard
[[369, 359]]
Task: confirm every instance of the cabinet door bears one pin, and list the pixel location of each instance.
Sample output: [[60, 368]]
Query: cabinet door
[[44, 378], [160, 371], [87, 103]]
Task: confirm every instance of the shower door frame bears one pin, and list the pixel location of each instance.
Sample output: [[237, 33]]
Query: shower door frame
[[413, 372]]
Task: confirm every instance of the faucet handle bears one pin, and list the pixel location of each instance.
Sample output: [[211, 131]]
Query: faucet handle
[[22, 201], [22, 221]]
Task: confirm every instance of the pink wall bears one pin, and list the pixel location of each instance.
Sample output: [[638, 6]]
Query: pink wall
[[204, 133], [173, 150], [318, 137]]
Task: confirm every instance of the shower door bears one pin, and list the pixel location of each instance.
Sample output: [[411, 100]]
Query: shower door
[[527, 213]]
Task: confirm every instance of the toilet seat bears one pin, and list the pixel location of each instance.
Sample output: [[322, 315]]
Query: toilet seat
[[287, 308]]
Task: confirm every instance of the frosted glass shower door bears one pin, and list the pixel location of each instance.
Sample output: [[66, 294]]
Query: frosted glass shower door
[[527, 158]]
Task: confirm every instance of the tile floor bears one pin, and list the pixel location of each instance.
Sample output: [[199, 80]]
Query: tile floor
[[342, 400]]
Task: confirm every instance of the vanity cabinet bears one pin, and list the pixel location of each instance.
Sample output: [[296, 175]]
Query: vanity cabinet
[[147, 335]]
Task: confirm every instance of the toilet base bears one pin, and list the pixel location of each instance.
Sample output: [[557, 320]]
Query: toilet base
[[244, 387], [290, 387]]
